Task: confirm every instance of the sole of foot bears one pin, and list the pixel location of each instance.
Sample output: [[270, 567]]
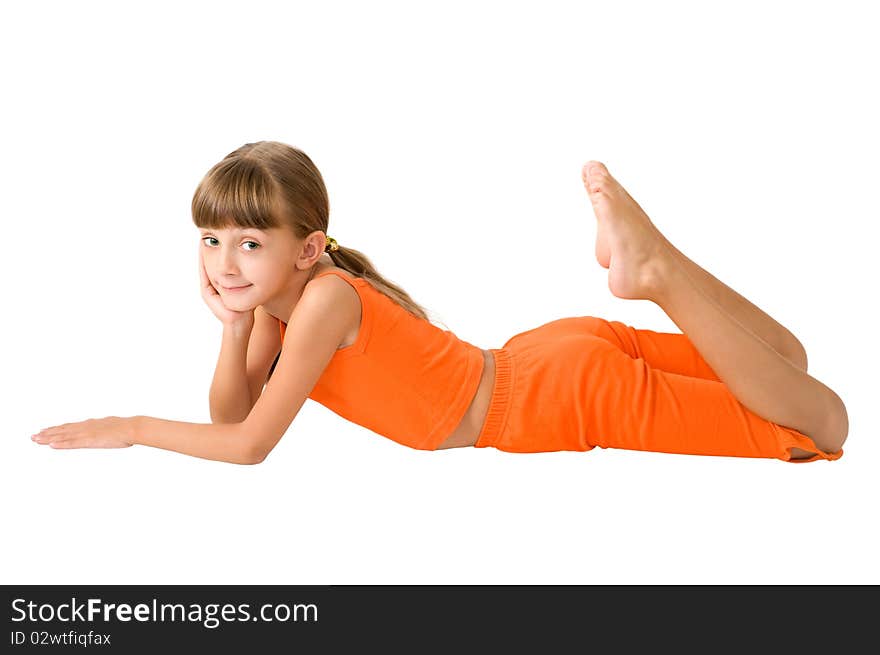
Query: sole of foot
[[628, 244]]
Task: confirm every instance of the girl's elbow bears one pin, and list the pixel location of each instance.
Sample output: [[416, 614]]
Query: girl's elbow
[[251, 446], [256, 453], [251, 456]]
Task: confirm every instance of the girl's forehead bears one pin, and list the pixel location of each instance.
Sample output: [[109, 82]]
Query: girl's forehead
[[234, 230]]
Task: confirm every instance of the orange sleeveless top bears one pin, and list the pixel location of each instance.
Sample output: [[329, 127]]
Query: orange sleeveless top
[[403, 378]]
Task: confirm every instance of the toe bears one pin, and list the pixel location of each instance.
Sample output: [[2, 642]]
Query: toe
[[585, 174], [596, 169], [595, 176]]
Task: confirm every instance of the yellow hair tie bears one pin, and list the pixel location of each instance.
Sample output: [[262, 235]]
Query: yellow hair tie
[[331, 245]]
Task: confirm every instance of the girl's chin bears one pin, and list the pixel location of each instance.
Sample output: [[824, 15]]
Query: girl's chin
[[241, 302]]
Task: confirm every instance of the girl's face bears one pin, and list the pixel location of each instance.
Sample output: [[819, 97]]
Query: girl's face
[[260, 261]]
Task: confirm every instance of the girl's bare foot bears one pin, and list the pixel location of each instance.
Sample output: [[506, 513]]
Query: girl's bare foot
[[627, 242]]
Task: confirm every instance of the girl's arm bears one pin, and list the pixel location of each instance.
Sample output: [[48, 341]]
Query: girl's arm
[[322, 317], [229, 399], [246, 355], [320, 321], [226, 442], [229, 403]]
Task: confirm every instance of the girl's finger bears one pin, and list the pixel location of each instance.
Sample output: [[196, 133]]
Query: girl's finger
[[206, 283], [64, 444], [202, 273]]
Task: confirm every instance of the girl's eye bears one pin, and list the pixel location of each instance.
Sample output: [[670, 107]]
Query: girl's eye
[[251, 242]]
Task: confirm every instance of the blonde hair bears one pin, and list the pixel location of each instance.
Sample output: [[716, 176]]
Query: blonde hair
[[268, 184]]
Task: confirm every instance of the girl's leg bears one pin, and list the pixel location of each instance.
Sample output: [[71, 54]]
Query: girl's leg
[[747, 314], [665, 353], [759, 377], [612, 400]]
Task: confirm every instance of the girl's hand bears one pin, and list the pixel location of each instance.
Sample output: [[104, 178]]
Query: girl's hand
[[107, 432], [229, 317]]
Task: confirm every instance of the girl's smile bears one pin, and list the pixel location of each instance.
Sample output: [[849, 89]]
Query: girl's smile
[[236, 289]]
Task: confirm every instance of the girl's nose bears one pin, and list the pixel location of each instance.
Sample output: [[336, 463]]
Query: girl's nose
[[227, 262]]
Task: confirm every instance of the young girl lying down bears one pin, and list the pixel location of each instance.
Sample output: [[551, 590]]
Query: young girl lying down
[[305, 317]]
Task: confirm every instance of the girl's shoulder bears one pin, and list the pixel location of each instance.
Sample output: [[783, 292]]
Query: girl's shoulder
[[345, 296]]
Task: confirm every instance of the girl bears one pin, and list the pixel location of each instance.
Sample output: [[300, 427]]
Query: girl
[[304, 317]]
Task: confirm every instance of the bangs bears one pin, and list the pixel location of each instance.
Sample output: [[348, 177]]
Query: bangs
[[236, 192]]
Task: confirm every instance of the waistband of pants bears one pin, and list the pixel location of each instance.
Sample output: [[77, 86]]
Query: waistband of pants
[[499, 405]]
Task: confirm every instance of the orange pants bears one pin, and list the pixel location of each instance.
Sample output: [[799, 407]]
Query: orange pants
[[580, 382]]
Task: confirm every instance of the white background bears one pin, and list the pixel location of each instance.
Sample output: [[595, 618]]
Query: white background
[[451, 140]]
